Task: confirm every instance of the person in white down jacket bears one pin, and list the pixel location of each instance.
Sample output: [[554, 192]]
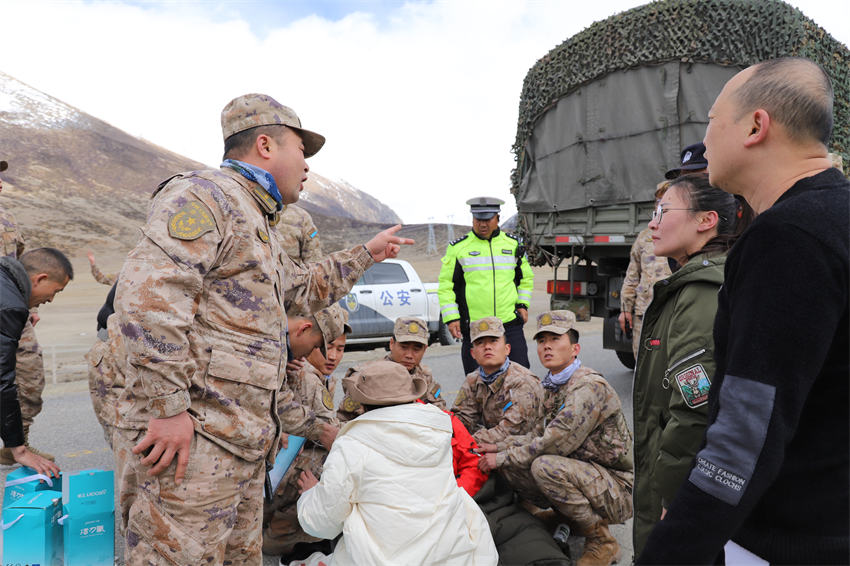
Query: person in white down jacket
[[388, 484]]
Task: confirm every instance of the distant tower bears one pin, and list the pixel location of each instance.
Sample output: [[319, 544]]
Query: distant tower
[[450, 229], [432, 241]]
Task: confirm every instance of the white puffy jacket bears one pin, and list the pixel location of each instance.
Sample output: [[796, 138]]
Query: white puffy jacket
[[389, 487]]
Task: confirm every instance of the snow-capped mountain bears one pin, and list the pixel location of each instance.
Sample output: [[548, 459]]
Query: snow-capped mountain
[[76, 182]]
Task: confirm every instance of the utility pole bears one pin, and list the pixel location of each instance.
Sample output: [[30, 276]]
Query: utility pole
[[450, 229], [432, 241]]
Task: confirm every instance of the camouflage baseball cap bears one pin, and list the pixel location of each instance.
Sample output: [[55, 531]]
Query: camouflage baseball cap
[[383, 382], [410, 329], [333, 322], [252, 110], [487, 326], [4, 165], [556, 322]]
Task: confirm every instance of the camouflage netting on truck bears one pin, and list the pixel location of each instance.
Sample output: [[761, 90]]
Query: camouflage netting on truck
[[723, 32]]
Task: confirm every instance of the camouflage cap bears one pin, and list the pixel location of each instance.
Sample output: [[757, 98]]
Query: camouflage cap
[[333, 322], [487, 326], [411, 329], [484, 208], [556, 322], [4, 165], [252, 110], [383, 382]]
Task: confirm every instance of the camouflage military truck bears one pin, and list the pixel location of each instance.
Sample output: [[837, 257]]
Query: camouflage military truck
[[603, 116]]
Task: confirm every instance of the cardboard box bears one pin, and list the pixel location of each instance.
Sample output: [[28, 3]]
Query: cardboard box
[[31, 531], [88, 522], [25, 480]]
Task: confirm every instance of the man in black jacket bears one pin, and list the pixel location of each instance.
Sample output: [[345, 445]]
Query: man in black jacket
[[24, 284], [772, 480]]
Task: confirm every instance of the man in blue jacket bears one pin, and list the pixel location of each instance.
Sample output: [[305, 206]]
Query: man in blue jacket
[[24, 284]]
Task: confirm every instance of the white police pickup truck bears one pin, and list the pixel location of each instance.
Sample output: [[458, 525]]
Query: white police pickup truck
[[386, 291]]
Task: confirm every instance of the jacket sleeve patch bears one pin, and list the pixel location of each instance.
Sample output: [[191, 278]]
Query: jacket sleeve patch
[[327, 400], [734, 442], [694, 385], [191, 222]]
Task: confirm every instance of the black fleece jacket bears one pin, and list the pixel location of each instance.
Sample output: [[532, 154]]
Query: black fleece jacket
[[774, 472], [14, 311]]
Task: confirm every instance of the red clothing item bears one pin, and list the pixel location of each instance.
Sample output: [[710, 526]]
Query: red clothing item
[[464, 460], [469, 477]]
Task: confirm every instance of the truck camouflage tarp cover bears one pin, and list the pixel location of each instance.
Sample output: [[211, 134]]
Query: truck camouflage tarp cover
[[606, 113]]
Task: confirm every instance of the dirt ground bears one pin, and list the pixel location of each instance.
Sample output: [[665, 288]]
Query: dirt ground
[[68, 326]]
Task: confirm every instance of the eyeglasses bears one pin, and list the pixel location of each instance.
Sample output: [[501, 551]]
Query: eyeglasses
[[658, 213]]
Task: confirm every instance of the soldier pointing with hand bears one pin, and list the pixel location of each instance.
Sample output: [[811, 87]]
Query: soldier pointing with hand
[[485, 273]]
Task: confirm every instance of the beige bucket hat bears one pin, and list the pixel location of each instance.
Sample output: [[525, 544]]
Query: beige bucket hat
[[383, 383]]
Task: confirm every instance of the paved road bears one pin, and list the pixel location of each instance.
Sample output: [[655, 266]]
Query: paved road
[[68, 429]]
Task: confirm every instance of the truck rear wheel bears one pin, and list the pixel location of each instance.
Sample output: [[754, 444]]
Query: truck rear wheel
[[627, 358]]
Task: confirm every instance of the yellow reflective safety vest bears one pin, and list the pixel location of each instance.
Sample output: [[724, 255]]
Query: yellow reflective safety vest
[[484, 278]]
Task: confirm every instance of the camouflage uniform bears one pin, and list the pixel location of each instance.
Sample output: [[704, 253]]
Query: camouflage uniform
[[13, 240], [101, 277], [105, 380], [200, 307], [508, 406], [579, 459], [280, 517], [29, 361], [645, 268], [299, 236]]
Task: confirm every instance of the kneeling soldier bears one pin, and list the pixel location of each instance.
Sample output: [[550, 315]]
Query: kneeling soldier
[[579, 462], [501, 397], [309, 384], [407, 347]]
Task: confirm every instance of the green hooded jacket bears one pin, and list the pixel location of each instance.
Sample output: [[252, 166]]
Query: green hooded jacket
[[674, 369]]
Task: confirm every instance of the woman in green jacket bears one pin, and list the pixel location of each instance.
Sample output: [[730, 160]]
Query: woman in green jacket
[[694, 224]]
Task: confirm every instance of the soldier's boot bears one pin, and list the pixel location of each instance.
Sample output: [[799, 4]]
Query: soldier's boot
[[600, 547]]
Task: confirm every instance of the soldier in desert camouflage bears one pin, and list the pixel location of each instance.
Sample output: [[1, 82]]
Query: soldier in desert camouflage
[[281, 528], [407, 347], [29, 364], [199, 304], [299, 235], [98, 275], [645, 268], [579, 460], [501, 398]]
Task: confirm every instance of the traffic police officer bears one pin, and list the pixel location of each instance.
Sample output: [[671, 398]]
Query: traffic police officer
[[486, 273]]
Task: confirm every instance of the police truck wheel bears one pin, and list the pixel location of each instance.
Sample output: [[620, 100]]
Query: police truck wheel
[[627, 358], [443, 334]]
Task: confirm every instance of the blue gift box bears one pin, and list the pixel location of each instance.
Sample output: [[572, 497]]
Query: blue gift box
[[31, 531], [25, 480], [88, 521]]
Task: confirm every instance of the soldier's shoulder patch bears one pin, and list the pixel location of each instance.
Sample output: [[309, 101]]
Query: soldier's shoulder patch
[[436, 390], [694, 385], [458, 240], [461, 397], [192, 221], [349, 405], [327, 400]]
